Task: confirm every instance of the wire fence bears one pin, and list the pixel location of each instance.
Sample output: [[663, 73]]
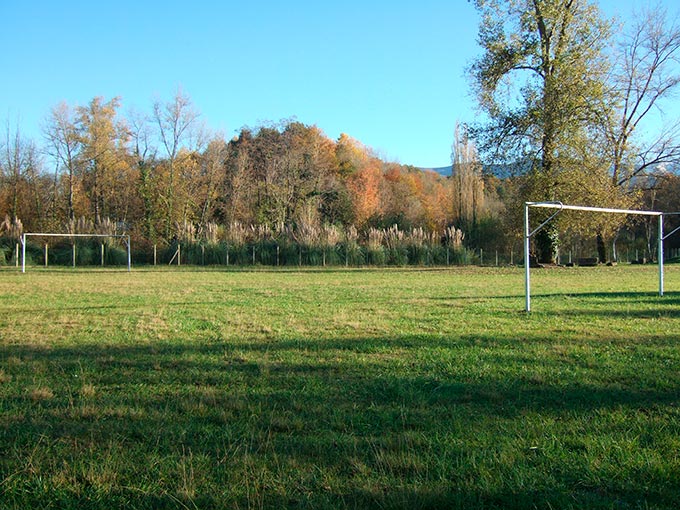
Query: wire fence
[[93, 252]]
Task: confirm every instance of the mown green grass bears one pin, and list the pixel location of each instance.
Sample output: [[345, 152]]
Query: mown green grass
[[339, 389]]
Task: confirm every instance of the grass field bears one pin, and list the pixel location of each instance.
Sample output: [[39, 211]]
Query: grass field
[[339, 389]]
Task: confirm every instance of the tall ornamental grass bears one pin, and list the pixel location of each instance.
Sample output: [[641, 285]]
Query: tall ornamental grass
[[305, 243]]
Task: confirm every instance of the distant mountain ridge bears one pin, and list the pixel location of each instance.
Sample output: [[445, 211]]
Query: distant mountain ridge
[[446, 171], [501, 171]]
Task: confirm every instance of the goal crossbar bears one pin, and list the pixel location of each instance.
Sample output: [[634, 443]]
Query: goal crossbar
[[528, 234], [564, 207], [125, 237]]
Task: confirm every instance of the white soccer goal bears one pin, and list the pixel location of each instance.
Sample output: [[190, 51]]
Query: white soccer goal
[[528, 233], [124, 237]]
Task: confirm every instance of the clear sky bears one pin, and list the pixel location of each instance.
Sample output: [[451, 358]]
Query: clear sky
[[389, 73]]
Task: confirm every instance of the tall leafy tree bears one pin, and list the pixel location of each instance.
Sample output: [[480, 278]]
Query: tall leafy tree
[[143, 161], [467, 179], [645, 75], [541, 71], [19, 177], [103, 140], [176, 122], [64, 145], [363, 173], [212, 169]]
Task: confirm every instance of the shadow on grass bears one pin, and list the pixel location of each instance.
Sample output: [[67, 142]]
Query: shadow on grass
[[614, 304], [604, 296], [524, 377], [329, 423], [596, 304], [382, 498]]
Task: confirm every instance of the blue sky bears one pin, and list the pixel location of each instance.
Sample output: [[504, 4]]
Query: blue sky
[[388, 73]]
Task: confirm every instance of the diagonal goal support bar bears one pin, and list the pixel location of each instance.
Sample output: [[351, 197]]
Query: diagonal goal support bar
[[528, 234]]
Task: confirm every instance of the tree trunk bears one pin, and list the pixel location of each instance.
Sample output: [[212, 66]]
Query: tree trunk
[[615, 255], [15, 197], [546, 244], [145, 192], [71, 212], [601, 249]]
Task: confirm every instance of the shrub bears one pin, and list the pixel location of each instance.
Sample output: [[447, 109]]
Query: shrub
[[239, 254], [265, 252], [350, 251], [437, 255], [375, 256], [396, 251], [115, 256], [461, 256], [420, 245], [86, 255], [332, 255], [290, 254], [215, 253], [350, 254]]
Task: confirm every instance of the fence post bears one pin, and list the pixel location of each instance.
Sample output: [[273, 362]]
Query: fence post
[[74, 254], [102, 245], [154, 254], [481, 256], [129, 253], [660, 255], [277, 255], [46, 254], [16, 255]]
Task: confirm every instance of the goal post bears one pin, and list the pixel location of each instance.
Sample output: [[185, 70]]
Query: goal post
[[124, 237], [559, 206]]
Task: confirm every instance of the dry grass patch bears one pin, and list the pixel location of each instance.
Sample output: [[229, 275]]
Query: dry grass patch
[[152, 325], [40, 394], [87, 391]]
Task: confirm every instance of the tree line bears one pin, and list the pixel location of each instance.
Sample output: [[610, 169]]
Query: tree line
[[164, 178], [565, 92]]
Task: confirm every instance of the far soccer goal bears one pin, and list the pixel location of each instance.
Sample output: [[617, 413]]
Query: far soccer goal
[[559, 206], [124, 238]]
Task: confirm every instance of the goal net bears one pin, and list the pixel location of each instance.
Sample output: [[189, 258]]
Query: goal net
[[24, 239], [559, 207]]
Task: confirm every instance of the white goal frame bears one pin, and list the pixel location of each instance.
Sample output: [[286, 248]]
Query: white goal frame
[[125, 237], [528, 234]]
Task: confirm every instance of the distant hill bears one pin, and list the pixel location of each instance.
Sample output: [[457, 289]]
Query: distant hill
[[500, 171], [442, 170]]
